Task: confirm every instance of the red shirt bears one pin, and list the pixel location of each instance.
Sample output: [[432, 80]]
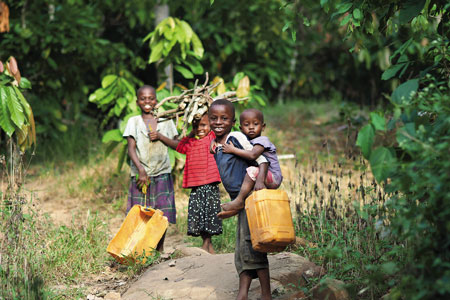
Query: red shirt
[[200, 167]]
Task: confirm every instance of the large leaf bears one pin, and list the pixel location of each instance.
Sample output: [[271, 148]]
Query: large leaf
[[185, 72], [382, 162], [243, 88], [392, 71], [5, 120], [365, 140], [187, 31], [194, 65], [108, 80], [112, 135], [14, 107], [410, 10], [197, 46], [378, 121], [403, 91], [156, 52]]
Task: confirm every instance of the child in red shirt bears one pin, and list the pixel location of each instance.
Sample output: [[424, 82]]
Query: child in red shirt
[[202, 176]]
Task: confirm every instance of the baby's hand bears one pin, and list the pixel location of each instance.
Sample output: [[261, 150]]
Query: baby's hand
[[228, 148]]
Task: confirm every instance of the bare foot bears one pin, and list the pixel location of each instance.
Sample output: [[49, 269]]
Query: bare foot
[[227, 214], [236, 204], [211, 249]]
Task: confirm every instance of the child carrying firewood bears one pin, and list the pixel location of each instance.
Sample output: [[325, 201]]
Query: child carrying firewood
[[202, 177]]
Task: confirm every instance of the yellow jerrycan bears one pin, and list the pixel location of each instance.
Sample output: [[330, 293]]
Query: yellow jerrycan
[[140, 232], [270, 220]]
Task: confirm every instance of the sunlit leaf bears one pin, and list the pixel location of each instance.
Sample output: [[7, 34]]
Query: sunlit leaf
[[14, 107], [156, 52], [112, 135], [197, 46], [108, 80], [243, 88]]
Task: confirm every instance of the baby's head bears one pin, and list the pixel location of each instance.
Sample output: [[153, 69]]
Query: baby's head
[[146, 99], [252, 123], [201, 127], [221, 117]]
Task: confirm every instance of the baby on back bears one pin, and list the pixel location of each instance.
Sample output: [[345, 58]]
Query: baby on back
[[252, 125]]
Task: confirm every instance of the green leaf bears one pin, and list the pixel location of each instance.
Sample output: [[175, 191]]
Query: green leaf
[[187, 31], [403, 91], [185, 72], [410, 10], [5, 121], [382, 163], [108, 80], [237, 78], [343, 7], [14, 107], [357, 14], [197, 46], [24, 83], [194, 65], [345, 20], [378, 121], [156, 52], [211, 2], [389, 73], [365, 140], [112, 136], [389, 268]]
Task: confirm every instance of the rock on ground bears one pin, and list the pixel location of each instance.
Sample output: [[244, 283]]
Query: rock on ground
[[205, 276]]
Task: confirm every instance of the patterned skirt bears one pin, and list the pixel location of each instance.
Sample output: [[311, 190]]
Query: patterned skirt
[[160, 195], [204, 205]]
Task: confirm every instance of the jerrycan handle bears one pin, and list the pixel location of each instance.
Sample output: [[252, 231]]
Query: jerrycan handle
[[147, 210]]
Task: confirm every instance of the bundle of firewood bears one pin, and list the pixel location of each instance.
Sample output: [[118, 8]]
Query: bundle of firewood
[[193, 103]]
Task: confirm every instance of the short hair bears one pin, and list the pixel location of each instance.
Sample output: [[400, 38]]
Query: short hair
[[144, 87], [226, 103], [257, 112]]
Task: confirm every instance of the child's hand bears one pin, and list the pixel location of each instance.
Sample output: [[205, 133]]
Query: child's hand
[[228, 148], [154, 136], [142, 178], [212, 147]]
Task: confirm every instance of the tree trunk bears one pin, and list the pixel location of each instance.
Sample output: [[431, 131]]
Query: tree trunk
[[162, 12]]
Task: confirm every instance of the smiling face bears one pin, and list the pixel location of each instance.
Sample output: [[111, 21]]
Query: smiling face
[[221, 120], [252, 123], [146, 99], [202, 127]]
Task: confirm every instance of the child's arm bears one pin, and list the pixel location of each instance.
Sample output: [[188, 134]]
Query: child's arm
[[156, 136], [134, 158], [246, 154]]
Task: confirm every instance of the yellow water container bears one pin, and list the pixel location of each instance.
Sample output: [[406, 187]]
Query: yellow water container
[[270, 220], [141, 231]]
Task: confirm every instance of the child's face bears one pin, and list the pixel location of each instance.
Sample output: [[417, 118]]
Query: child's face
[[146, 100], [251, 124], [203, 127], [221, 120]]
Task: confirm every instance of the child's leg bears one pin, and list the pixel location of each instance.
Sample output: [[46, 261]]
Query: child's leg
[[207, 243], [264, 282], [245, 279], [238, 203]]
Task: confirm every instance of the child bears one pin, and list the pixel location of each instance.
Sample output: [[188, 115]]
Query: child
[[202, 176], [150, 163], [249, 263], [252, 124]]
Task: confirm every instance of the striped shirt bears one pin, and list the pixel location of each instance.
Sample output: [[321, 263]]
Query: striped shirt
[[200, 167]]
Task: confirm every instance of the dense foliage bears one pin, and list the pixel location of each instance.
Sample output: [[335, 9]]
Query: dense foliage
[[407, 145]]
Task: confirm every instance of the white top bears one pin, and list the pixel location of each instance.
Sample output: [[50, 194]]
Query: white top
[[154, 156]]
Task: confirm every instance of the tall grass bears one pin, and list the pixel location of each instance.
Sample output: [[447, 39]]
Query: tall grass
[[337, 207]]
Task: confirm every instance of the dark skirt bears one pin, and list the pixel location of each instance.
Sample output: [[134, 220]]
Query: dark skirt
[[160, 195], [204, 205]]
